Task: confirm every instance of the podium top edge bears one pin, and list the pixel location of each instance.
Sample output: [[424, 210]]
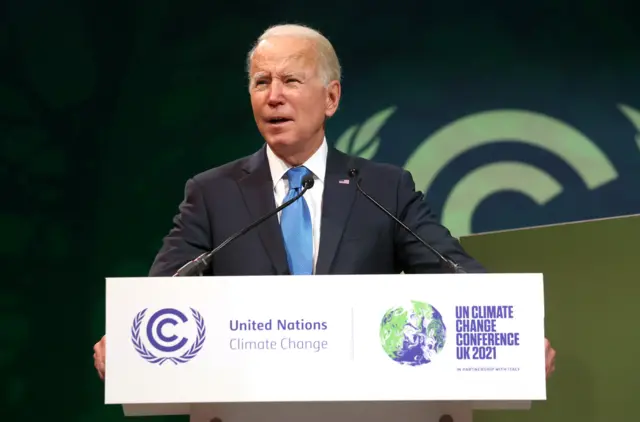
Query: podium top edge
[[410, 278]]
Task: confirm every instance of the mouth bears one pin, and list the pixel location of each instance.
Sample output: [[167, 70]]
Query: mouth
[[278, 120]]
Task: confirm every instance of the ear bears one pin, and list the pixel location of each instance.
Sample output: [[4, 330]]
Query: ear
[[333, 98]]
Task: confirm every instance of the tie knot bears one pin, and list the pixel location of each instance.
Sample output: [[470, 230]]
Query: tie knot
[[295, 176]]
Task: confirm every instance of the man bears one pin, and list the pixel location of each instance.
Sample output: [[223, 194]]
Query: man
[[294, 86]]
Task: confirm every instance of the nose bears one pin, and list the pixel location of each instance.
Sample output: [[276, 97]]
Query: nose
[[275, 93]]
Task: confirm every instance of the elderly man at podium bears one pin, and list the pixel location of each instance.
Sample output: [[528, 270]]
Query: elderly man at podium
[[355, 216]]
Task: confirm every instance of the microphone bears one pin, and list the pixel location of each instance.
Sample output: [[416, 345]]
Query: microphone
[[452, 266], [199, 264]]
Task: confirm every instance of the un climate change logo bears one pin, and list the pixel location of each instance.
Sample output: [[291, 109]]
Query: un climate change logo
[[412, 334], [530, 128], [167, 347]]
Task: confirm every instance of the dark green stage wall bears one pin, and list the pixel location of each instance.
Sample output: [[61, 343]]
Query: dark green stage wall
[[507, 114]]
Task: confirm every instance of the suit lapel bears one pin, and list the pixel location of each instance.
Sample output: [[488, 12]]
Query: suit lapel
[[257, 190], [337, 202]]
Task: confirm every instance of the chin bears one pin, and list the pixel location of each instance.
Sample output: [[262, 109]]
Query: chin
[[281, 140]]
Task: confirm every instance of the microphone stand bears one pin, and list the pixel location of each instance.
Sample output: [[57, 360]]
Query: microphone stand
[[197, 266], [451, 266]]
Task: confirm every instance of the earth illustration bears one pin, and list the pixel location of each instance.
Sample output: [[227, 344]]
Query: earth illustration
[[412, 334]]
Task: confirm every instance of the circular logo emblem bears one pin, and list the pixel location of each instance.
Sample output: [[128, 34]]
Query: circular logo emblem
[[412, 334], [165, 343]]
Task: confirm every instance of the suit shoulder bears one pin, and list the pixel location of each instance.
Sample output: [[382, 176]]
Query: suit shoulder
[[377, 169], [230, 170]]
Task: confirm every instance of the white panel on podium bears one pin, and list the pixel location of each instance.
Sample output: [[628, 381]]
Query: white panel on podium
[[345, 348]]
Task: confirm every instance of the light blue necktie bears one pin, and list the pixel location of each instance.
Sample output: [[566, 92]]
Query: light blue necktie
[[295, 223]]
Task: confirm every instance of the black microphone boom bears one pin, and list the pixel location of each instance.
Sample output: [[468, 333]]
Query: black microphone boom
[[455, 268], [199, 264]]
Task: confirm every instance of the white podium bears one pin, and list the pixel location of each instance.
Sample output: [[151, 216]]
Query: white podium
[[372, 348]]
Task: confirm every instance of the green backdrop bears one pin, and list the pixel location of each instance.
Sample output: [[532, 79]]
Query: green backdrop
[[591, 289]]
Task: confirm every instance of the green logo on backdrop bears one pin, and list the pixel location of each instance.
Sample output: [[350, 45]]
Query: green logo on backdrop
[[527, 127]]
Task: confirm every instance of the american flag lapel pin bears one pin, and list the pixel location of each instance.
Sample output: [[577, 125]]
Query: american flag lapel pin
[[343, 181]]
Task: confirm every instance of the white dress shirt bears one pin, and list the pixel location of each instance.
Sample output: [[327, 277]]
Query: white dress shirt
[[317, 164]]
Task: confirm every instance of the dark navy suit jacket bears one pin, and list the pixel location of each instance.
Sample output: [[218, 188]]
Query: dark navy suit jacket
[[356, 237]]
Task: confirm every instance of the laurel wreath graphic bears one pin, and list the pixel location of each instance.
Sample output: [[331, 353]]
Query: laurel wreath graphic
[[150, 357]]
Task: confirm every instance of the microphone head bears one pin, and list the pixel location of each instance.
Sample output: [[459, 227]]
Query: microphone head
[[353, 172], [307, 181]]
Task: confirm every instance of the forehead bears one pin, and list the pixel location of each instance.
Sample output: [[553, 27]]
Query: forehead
[[279, 54]]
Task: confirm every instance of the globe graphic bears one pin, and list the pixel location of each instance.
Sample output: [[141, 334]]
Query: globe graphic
[[412, 334]]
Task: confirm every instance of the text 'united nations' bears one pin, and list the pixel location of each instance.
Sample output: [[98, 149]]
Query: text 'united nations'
[[300, 339]]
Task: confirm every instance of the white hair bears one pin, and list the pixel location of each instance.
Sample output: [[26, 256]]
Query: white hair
[[328, 63]]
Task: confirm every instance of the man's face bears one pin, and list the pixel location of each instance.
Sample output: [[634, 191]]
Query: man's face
[[288, 97]]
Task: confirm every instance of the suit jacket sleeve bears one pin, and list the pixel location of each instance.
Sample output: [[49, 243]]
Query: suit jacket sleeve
[[189, 237], [412, 255]]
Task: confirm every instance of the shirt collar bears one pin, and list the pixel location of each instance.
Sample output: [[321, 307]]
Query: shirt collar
[[317, 163]]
